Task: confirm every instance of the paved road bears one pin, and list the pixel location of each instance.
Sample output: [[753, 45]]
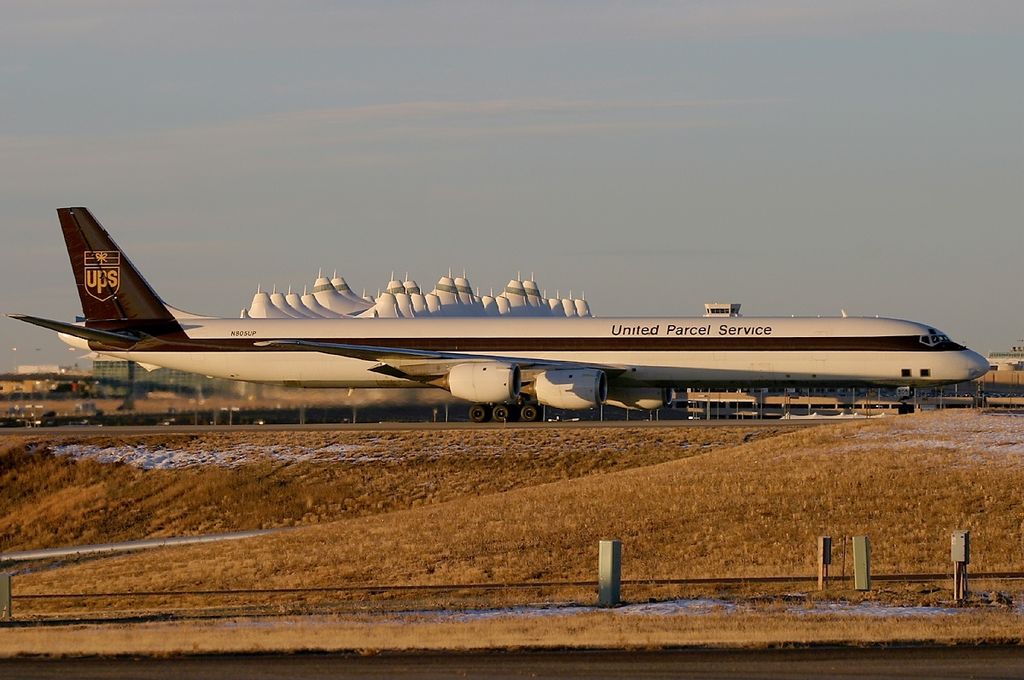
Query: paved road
[[944, 662], [127, 546], [392, 427]]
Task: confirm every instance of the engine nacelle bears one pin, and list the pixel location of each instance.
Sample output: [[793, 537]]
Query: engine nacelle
[[645, 398], [485, 382], [571, 388]]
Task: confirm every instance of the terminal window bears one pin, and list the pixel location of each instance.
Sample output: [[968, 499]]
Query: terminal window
[[905, 373], [926, 372]]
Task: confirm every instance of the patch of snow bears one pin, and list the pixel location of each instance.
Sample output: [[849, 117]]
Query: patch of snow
[[968, 433], [691, 607], [679, 607], [160, 458], [873, 609], [366, 451], [531, 611]]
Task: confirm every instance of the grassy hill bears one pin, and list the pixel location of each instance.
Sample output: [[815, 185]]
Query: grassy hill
[[749, 509], [232, 481]]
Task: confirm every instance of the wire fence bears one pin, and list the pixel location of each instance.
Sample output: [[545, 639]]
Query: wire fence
[[523, 585]]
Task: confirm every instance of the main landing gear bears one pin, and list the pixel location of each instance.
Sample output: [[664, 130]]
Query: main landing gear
[[480, 413], [504, 413]]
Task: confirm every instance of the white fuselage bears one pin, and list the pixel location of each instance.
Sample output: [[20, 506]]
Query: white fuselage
[[662, 352]]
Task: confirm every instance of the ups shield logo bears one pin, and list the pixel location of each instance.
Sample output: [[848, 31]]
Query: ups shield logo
[[102, 273]]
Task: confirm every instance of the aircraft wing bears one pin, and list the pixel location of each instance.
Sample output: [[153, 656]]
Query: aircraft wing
[[424, 365]]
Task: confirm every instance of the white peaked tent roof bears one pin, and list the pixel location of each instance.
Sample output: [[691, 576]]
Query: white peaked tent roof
[[312, 305], [514, 293], [386, 307], [471, 305], [447, 297], [490, 305], [263, 308], [343, 289], [404, 302], [419, 304], [465, 289], [279, 301], [326, 294], [296, 303], [538, 305], [445, 289], [569, 306], [532, 292], [333, 298], [515, 287], [340, 284]]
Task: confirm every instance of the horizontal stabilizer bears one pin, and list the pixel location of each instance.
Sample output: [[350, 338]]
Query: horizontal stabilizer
[[120, 340]]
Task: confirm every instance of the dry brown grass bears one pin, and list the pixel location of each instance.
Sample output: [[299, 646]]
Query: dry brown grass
[[752, 510], [50, 501], [597, 630]]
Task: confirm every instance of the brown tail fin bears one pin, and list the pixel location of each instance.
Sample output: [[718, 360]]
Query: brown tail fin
[[112, 291]]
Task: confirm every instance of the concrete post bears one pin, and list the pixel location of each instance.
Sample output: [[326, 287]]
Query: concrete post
[[5, 596], [861, 563], [824, 560], [609, 573]]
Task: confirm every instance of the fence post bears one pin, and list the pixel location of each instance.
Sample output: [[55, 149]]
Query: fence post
[[960, 552], [5, 596], [609, 573], [861, 563], [824, 560]]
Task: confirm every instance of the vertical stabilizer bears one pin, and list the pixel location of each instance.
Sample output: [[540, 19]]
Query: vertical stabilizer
[[110, 287]]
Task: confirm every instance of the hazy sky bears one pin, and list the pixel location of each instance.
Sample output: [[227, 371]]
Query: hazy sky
[[797, 156]]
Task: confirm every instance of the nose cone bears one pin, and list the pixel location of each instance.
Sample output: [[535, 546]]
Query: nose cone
[[975, 364]]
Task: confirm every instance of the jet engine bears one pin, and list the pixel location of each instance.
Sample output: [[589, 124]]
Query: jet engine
[[645, 398], [571, 388], [485, 382]]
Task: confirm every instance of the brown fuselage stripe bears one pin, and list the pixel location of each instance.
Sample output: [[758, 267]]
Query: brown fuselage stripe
[[898, 343]]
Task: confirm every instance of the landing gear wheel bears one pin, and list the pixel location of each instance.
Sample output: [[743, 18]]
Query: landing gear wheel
[[479, 413], [502, 413], [530, 413]]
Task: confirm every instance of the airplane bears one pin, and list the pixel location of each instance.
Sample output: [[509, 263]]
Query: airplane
[[505, 369]]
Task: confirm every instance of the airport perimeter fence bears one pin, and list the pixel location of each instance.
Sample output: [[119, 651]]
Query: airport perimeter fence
[[608, 587], [422, 598]]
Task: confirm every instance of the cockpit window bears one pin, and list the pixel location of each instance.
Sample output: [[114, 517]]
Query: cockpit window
[[935, 339]]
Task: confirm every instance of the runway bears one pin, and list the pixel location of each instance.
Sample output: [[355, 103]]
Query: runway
[[405, 427], [877, 662]]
